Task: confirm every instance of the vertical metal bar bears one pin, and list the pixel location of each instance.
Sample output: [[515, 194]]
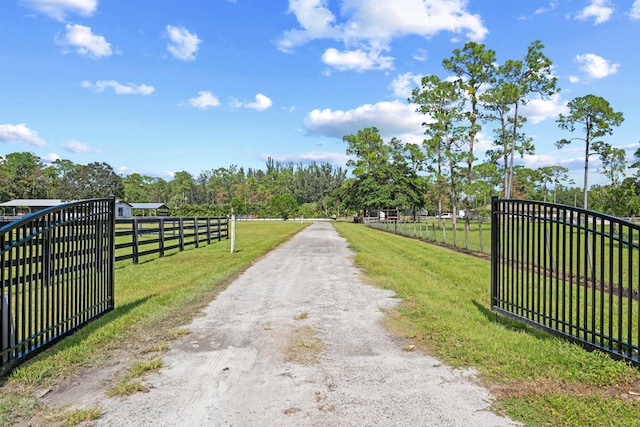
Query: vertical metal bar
[[545, 266], [630, 291], [539, 256], [585, 264], [512, 244], [30, 260], [76, 256], [22, 290], [84, 258], [555, 284], [494, 251], [620, 281], [5, 311], [517, 236], [603, 278], [564, 270], [526, 262], [637, 320], [112, 252], [572, 229], [594, 280]]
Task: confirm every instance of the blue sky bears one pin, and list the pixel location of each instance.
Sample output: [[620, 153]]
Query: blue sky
[[161, 86]]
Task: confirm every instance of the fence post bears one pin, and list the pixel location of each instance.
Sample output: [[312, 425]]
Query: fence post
[[161, 237], [494, 250], [135, 240], [181, 237], [233, 231], [196, 232]]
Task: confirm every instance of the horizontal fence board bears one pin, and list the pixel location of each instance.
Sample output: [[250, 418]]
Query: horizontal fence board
[[136, 237]]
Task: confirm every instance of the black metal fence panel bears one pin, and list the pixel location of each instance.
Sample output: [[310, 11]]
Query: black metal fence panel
[[57, 273], [570, 271], [140, 236]]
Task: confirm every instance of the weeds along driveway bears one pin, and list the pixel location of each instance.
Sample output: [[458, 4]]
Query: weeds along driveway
[[296, 340]]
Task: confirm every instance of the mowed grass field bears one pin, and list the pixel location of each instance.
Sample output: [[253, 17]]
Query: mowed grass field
[[537, 379], [153, 299]]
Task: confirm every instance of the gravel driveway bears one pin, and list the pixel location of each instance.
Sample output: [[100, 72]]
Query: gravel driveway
[[296, 340]]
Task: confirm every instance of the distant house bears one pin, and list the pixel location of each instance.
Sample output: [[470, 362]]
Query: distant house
[[14, 209], [150, 209], [123, 209], [22, 207]]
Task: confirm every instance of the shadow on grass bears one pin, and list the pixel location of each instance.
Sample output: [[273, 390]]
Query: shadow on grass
[[511, 324], [78, 334]]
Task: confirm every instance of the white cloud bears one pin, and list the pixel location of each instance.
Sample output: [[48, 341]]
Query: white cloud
[[85, 42], [182, 44], [544, 9], [358, 60], [118, 88], [316, 22], [634, 13], [204, 100], [420, 55], [14, 134], [79, 147], [388, 19], [404, 84], [596, 66], [571, 159], [366, 27], [261, 103], [59, 9], [600, 10], [538, 109], [391, 118], [51, 157]]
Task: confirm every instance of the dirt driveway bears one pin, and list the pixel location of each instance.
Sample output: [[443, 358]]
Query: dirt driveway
[[296, 341]]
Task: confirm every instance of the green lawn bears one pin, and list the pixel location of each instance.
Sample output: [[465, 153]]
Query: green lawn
[[539, 379], [153, 300]]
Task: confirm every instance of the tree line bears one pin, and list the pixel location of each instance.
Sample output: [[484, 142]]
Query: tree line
[[443, 174], [280, 189]]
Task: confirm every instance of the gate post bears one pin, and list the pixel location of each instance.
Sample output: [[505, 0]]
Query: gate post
[[495, 236]]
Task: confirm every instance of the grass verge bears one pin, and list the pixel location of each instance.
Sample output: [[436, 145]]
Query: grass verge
[[536, 378], [154, 300]]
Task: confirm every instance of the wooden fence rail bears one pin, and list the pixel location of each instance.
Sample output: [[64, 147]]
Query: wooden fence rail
[[140, 236]]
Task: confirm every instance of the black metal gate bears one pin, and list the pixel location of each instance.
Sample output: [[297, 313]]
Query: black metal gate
[[570, 271], [57, 273]]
